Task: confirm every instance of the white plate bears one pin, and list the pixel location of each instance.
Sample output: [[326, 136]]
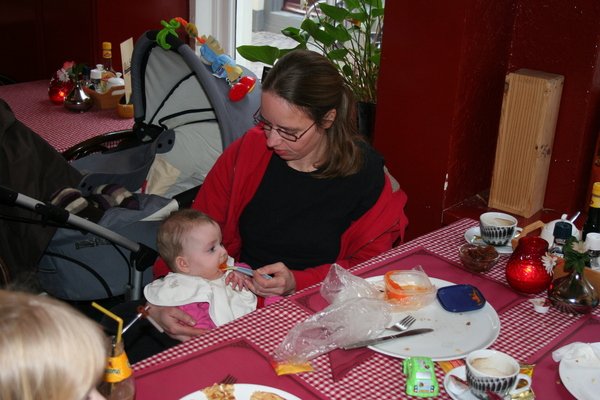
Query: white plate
[[455, 391], [581, 382], [455, 334], [473, 235], [243, 391]]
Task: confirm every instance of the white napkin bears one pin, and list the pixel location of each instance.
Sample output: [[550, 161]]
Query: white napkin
[[579, 369], [584, 354], [225, 303]]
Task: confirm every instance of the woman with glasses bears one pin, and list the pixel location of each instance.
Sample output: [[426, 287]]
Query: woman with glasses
[[301, 190]]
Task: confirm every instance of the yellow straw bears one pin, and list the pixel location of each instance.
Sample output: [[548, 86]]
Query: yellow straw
[[113, 316]]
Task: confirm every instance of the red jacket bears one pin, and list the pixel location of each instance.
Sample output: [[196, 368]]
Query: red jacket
[[234, 179]]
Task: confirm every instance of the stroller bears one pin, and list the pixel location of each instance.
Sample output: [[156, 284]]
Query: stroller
[[183, 121]]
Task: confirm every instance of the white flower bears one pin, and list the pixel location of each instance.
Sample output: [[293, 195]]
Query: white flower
[[549, 262], [580, 247], [63, 75]]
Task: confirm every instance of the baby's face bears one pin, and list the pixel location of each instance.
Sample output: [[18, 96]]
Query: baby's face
[[203, 252]]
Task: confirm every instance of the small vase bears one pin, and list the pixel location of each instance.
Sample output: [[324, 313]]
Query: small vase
[[573, 294], [77, 100], [525, 270], [58, 90]]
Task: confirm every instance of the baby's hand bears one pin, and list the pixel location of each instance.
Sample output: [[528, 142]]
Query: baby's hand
[[237, 280]]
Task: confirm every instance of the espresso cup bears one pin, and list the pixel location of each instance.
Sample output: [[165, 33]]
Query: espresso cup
[[497, 228], [496, 372]]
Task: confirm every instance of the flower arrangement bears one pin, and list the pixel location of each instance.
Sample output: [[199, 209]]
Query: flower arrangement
[[576, 255], [69, 71], [348, 34]]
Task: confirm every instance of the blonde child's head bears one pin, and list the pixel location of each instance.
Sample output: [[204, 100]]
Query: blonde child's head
[[48, 350]]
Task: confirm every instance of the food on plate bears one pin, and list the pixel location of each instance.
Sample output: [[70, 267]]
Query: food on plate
[[260, 395], [219, 392]]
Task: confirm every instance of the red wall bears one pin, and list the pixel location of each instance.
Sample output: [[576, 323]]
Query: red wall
[[441, 87], [39, 35]]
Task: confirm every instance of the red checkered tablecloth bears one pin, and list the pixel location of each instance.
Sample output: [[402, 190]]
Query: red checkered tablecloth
[[57, 125], [525, 334]]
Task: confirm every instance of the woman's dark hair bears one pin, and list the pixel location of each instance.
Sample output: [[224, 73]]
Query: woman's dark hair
[[311, 82]]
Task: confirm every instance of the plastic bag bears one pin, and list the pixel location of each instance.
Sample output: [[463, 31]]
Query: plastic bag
[[357, 312], [340, 324], [340, 285]]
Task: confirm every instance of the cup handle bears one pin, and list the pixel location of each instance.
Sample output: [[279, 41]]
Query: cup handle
[[521, 377]]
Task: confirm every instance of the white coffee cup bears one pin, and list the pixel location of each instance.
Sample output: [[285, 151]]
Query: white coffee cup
[[497, 228], [494, 371]]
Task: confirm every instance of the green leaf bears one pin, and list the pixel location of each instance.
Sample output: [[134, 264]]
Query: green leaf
[[316, 33], [336, 13], [264, 54], [339, 33]]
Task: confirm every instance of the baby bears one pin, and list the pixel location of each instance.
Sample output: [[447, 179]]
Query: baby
[[190, 243]]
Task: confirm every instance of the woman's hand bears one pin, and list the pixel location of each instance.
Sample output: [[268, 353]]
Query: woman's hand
[[281, 284], [176, 323]]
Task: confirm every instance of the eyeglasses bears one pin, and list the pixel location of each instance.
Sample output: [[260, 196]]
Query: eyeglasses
[[268, 127]]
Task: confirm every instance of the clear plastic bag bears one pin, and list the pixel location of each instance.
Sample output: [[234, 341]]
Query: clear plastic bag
[[340, 324], [340, 285], [357, 312]]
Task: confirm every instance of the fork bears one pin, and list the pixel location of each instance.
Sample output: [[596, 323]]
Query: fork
[[404, 324], [228, 380]]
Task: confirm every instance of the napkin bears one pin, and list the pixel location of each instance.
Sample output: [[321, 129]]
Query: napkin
[[342, 361], [583, 354]]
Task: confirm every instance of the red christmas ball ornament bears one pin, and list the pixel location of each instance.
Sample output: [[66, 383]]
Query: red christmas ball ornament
[[525, 270]]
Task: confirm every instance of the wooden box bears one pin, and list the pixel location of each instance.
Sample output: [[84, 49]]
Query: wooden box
[[526, 133], [106, 100]]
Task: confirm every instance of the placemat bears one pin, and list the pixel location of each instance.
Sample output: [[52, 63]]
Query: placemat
[[238, 357]]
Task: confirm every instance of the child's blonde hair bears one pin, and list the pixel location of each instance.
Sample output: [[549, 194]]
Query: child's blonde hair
[[48, 350], [173, 230]]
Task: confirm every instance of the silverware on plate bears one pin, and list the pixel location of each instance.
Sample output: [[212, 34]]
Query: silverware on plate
[[370, 342]]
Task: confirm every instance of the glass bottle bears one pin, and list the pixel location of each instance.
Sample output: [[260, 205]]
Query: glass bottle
[[592, 242], [108, 71], [107, 57], [118, 381], [525, 269], [562, 231], [592, 223]]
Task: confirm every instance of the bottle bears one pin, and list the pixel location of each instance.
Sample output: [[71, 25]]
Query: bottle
[[96, 78], [118, 381], [592, 242], [592, 223], [107, 57], [108, 71], [563, 230]]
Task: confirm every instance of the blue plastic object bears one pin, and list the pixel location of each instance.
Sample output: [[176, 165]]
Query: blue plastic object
[[460, 298]]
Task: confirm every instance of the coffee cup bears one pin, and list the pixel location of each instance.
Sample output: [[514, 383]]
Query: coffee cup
[[496, 372], [497, 228]]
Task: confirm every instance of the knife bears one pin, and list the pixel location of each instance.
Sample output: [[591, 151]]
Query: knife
[[369, 342]]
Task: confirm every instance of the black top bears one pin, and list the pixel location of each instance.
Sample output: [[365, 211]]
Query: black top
[[298, 219]]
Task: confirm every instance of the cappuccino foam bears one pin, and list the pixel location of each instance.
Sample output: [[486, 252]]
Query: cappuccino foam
[[492, 367]]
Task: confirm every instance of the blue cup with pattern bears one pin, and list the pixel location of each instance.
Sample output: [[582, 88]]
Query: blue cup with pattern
[[497, 228]]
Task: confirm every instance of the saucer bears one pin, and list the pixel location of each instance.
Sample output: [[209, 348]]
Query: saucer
[[454, 391], [473, 235]]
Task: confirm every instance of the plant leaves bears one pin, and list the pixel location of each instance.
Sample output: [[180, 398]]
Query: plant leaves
[[264, 54], [335, 13]]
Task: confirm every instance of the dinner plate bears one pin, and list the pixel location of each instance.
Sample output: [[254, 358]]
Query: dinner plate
[[454, 391], [473, 235], [243, 391], [581, 382], [454, 334]]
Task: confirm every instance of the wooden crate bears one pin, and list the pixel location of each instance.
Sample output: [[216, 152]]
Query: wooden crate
[[527, 124]]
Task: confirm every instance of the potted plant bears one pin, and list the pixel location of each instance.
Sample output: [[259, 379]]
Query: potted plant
[[348, 34]]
